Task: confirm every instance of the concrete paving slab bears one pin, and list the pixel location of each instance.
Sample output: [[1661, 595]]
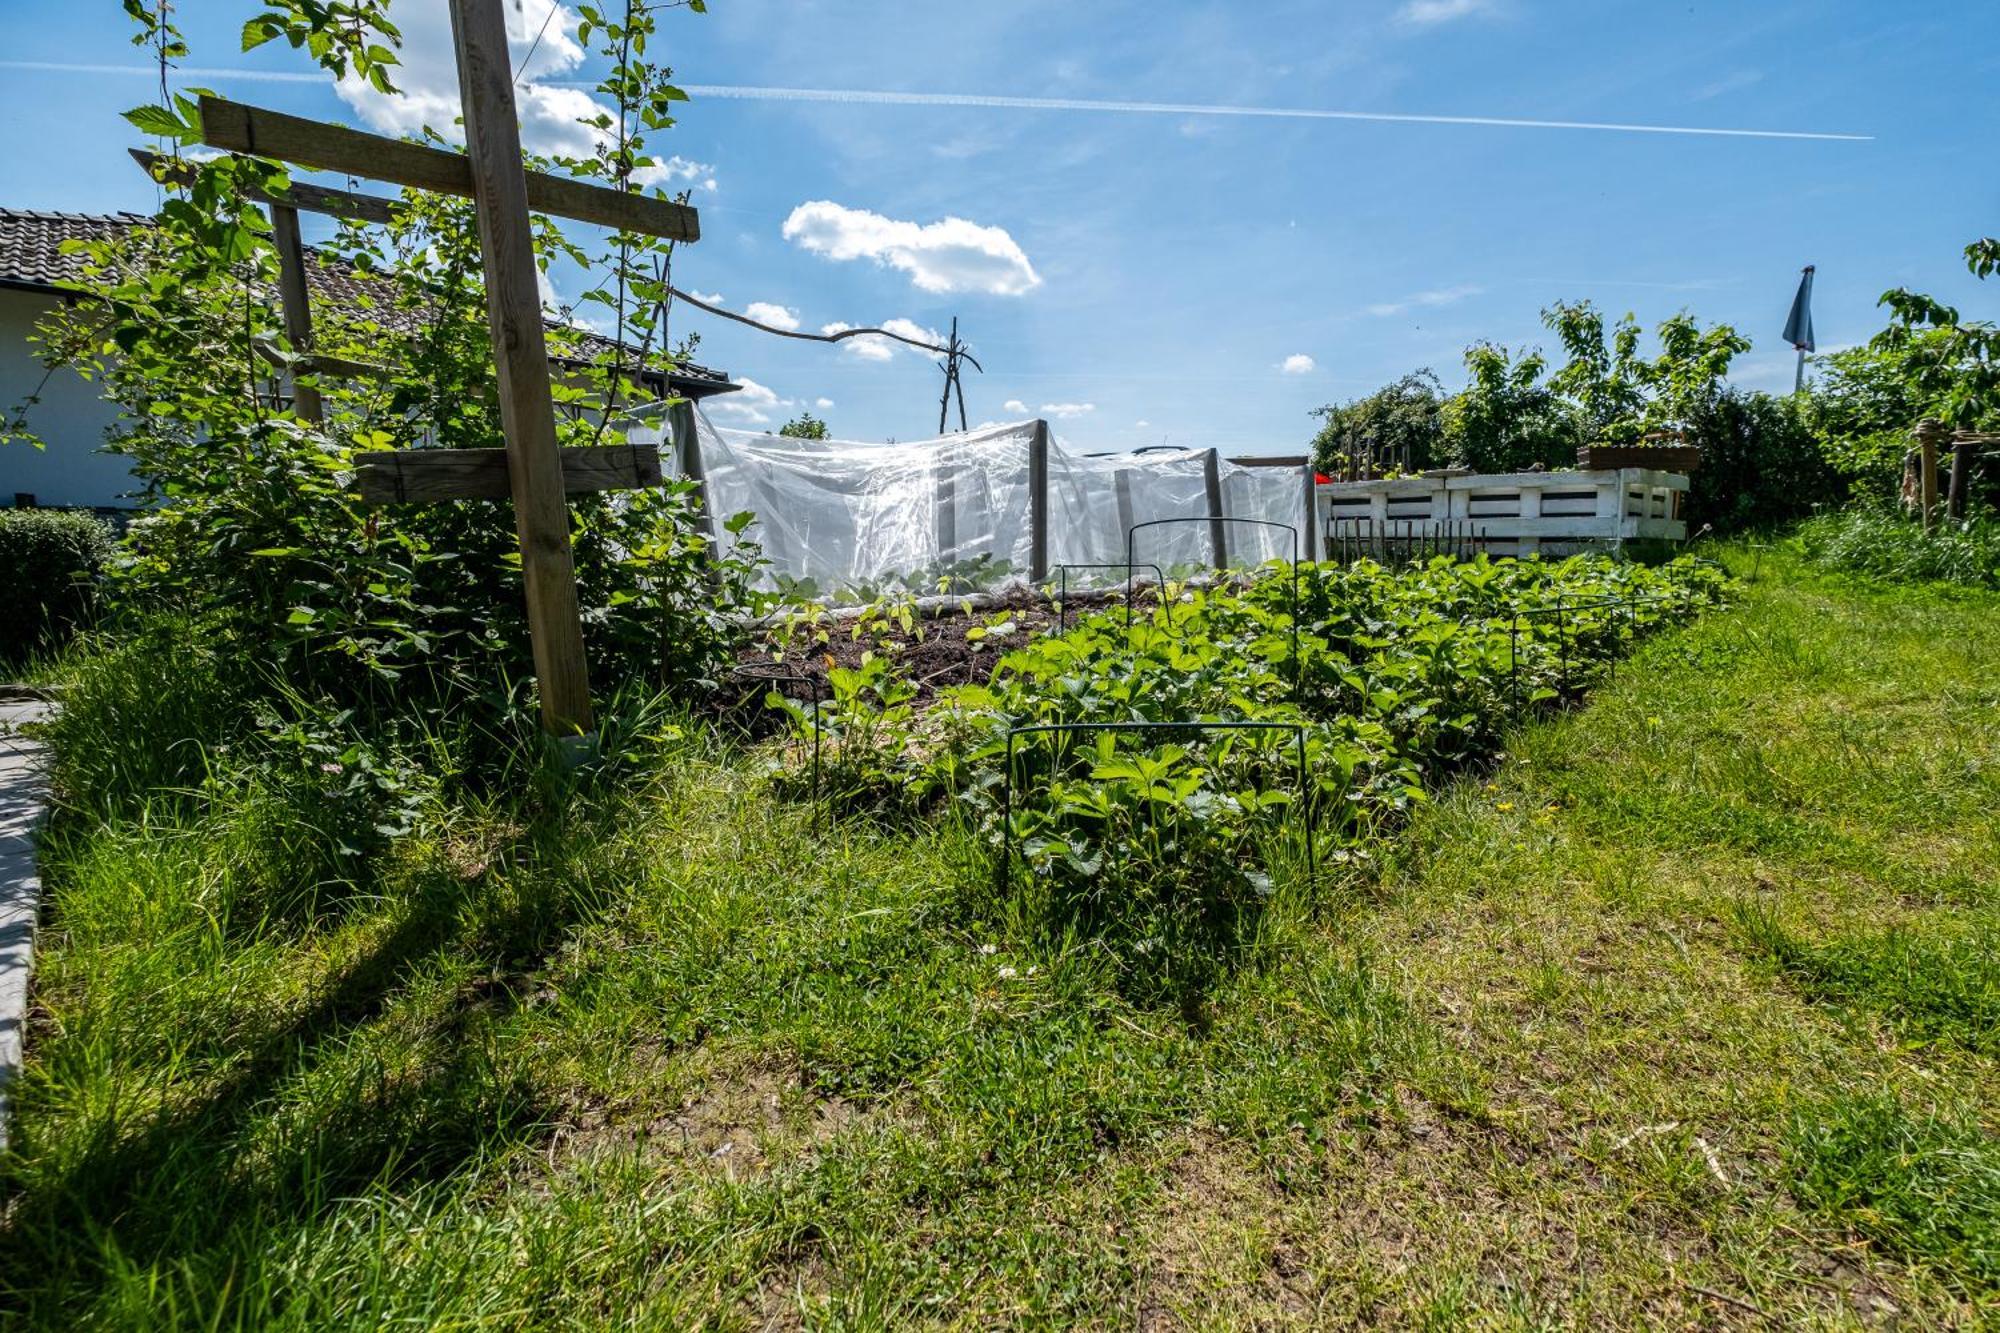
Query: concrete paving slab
[[24, 792]]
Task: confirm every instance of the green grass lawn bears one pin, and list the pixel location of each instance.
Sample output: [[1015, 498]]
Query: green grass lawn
[[1684, 1014]]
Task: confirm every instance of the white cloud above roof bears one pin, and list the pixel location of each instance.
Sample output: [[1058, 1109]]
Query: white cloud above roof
[[952, 255]]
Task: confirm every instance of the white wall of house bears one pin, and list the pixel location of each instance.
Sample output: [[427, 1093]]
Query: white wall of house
[[70, 420]]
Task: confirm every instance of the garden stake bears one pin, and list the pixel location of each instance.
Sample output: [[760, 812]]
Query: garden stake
[[756, 671], [1298, 729]]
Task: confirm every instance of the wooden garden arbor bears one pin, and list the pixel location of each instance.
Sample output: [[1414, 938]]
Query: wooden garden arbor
[[532, 469]]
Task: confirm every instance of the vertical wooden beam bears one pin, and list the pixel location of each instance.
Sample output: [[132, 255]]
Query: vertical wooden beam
[[514, 319], [944, 492], [687, 457], [1311, 532], [1211, 482], [1038, 503], [1929, 432], [295, 301], [1961, 478]]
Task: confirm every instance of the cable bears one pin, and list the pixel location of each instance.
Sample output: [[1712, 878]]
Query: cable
[[700, 304]]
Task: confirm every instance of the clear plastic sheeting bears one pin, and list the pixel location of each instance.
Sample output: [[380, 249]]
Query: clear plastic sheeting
[[840, 518]]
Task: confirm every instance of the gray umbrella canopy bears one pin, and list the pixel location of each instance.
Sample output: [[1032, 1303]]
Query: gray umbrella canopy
[[1798, 327]]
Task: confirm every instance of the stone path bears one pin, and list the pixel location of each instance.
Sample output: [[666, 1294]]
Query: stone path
[[23, 799]]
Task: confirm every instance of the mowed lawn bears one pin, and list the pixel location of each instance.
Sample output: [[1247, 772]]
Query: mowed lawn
[[1684, 1015]]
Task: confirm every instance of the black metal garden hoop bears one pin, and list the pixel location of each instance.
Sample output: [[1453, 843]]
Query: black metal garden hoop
[[1298, 729], [1131, 573], [1298, 602], [775, 675]]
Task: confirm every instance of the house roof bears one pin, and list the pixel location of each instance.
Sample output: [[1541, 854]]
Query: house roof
[[32, 259]]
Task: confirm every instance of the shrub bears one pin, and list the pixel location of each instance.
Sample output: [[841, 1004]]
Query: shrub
[[49, 566], [1885, 545], [1761, 464]]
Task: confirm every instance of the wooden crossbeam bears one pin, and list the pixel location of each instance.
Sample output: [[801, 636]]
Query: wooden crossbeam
[[422, 476], [237, 128], [302, 195]]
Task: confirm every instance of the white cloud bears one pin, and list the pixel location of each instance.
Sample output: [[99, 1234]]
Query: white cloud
[[550, 115], [1014, 405], [822, 403], [866, 348], [1063, 411], [909, 328], [1141, 425], [872, 347], [1425, 13], [777, 316], [953, 255], [1436, 297], [752, 405], [710, 298], [1298, 363]]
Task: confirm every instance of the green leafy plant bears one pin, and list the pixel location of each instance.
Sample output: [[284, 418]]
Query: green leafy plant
[[53, 561]]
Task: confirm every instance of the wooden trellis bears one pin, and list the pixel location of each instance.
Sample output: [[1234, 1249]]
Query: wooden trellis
[[531, 468]]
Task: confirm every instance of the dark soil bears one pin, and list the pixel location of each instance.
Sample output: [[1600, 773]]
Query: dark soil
[[934, 656]]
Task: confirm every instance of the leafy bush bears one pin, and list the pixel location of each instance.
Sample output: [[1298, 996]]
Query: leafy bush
[[1886, 545], [1508, 418], [1761, 463], [1398, 426], [50, 562]]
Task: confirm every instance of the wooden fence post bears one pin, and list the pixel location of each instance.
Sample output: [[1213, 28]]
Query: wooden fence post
[[1929, 432], [944, 499], [1961, 478], [295, 303], [1311, 480], [514, 320], [1211, 481], [1038, 503], [687, 457]]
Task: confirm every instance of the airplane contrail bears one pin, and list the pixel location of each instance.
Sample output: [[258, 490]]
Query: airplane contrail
[[745, 93], [864, 97]]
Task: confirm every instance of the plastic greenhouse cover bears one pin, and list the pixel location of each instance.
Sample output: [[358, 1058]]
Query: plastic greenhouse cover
[[852, 519]]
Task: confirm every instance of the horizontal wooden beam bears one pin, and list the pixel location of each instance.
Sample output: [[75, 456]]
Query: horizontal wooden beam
[[237, 128], [1268, 460], [299, 194], [422, 476]]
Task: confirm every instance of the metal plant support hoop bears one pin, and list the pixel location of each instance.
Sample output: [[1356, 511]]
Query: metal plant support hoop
[[1131, 573], [778, 676], [1298, 602], [1298, 730]]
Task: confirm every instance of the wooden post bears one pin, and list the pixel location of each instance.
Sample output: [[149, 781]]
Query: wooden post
[[296, 303], [514, 318], [1311, 480], [1961, 478], [1038, 503], [1121, 492], [687, 457], [944, 492], [1929, 432], [1211, 482]]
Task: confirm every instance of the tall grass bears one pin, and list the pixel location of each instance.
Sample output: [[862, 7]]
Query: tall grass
[[1886, 545]]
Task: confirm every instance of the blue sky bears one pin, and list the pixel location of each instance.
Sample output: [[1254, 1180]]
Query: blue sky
[[1117, 267]]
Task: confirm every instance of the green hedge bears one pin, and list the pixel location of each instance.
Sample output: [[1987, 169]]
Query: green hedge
[[49, 563]]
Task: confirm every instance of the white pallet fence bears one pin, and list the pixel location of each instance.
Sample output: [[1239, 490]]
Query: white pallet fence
[[1517, 513]]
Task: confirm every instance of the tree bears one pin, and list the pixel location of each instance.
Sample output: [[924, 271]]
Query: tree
[[1399, 425], [1950, 367], [1508, 419], [1621, 396], [805, 426]]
